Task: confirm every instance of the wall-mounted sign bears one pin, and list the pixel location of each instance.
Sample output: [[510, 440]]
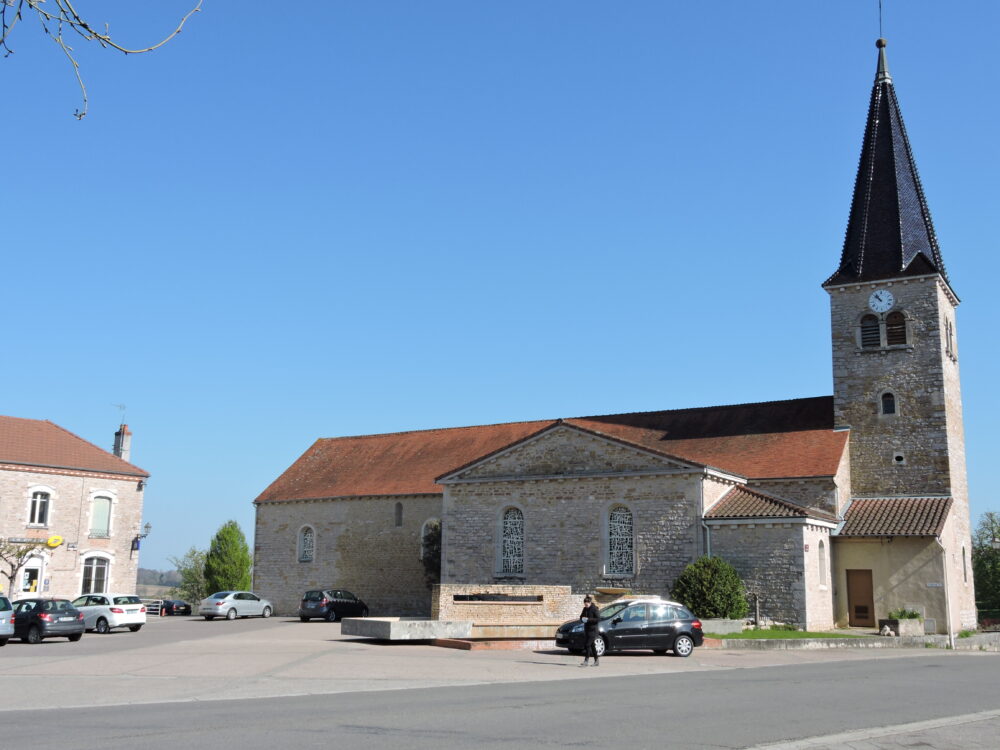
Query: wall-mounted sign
[[25, 540], [935, 585], [54, 541]]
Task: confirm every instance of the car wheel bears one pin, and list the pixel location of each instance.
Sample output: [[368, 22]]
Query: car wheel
[[683, 646], [231, 614], [102, 627], [600, 647], [303, 619], [135, 628], [75, 637], [266, 613], [364, 612], [209, 617], [34, 635], [331, 615], [3, 642]]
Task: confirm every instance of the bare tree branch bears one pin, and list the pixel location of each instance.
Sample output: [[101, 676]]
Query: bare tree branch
[[59, 17]]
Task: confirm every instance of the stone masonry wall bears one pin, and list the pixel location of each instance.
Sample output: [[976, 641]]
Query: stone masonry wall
[[358, 547], [565, 530], [557, 604], [769, 558], [70, 507]]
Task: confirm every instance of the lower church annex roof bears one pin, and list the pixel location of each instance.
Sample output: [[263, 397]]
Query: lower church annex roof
[[896, 516]]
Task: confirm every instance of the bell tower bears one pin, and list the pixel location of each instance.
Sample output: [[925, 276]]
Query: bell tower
[[895, 360]]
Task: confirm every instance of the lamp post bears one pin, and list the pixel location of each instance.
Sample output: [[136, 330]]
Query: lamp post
[[141, 535]]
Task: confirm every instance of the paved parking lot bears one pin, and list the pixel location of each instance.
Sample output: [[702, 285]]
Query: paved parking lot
[[190, 659]]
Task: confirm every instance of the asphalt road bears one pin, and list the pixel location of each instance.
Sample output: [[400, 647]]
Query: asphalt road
[[276, 684]]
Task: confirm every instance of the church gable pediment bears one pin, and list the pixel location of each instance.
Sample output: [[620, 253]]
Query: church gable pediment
[[566, 451]]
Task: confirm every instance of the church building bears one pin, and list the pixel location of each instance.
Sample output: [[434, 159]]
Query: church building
[[835, 510]]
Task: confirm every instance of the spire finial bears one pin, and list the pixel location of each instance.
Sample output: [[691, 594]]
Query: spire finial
[[883, 66]]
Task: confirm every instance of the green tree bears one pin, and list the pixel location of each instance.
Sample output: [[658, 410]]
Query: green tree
[[191, 570], [711, 587], [986, 561], [430, 552], [228, 563]]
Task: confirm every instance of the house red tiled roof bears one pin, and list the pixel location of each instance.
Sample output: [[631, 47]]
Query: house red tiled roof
[[40, 443], [896, 516], [775, 439], [743, 502]]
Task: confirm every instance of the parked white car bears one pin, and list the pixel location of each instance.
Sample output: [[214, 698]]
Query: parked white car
[[233, 604], [102, 612], [6, 620]]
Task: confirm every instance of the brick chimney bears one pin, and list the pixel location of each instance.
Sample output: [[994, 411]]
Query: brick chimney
[[123, 443]]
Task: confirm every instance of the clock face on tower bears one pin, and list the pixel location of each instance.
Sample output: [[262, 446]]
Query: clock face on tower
[[881, 300]]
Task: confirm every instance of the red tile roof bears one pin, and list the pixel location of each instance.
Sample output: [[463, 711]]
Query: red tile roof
[[40, 443], [774, 439], [896, 516], [743, 502]]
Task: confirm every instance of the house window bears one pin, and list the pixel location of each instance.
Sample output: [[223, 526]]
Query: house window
[[620, 548], [871, 336], [39, 513], [822, 563], [512, 542], [888, 403], [95, 575], [399, 514], [100, 518], [895, 329], [307, 544]]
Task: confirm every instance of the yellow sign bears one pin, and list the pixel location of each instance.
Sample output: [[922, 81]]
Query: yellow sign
[[54, 541]]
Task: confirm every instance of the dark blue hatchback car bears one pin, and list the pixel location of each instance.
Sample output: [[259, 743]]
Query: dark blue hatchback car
[[35, 619]]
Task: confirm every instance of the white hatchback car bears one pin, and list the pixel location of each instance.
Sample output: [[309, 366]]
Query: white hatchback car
[[233, 604], [102, 612]]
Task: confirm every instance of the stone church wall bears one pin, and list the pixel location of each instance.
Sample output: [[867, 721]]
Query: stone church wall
[[565, 530], [358, 546], [768, 556]]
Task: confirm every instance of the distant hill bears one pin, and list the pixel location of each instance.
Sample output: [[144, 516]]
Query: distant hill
[[150, 577]]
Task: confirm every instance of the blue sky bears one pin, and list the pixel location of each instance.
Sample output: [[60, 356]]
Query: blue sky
[[348, 218]]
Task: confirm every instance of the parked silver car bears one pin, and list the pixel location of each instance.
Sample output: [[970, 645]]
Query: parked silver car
[[233, 604], [102, 612], [6, 620]]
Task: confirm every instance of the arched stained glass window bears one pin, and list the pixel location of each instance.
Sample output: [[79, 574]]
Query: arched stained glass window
[[399, 514], [620, 548], [307, 544], [512, 542]]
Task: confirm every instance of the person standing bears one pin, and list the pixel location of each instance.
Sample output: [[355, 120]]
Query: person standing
[[590, 616]]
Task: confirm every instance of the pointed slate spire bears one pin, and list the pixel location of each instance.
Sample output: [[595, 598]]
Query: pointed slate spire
[[889, 232]]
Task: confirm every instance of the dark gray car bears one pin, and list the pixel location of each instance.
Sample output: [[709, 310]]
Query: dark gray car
[[331, 605], [35, 619]]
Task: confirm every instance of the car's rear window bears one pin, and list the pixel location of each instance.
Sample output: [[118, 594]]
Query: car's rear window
[[127, 600], [57, 605], [312, 596], [4, 604], [221, 595]]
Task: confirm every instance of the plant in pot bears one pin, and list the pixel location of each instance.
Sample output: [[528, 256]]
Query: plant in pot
[[903, 621]]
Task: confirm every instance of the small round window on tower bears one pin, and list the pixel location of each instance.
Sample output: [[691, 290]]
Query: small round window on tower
[[898, 459]]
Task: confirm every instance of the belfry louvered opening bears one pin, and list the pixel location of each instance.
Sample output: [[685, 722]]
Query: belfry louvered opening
[[895, 329], [871, 336]]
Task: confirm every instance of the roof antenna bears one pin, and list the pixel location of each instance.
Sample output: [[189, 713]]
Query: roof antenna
[[121, 408], [880, 34]]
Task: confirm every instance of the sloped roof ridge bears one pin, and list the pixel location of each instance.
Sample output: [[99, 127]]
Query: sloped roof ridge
[[707, 408], [437, 429], [82, 440], [799, 509]]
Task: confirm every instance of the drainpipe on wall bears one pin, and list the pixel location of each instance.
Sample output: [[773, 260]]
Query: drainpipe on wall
[[708, 538], [947, 596], [704, 526]]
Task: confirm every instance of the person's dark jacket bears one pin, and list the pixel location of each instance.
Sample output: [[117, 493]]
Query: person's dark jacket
[[592, 616]]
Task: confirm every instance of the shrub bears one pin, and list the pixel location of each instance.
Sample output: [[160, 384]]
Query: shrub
[[711, 587], [905, 614]]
